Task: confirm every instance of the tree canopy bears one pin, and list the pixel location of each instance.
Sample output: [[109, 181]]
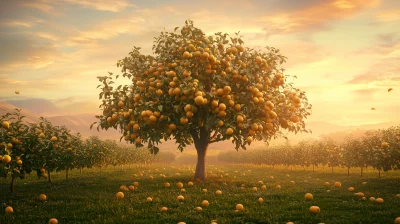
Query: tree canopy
[[199, 89]]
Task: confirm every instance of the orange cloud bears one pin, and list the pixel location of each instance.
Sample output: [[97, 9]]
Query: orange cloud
[[14, 82], [314, 17], [388, 16], [379, 77], [109, 29], [162, 10], [41, 5], [103, 5], [48, 36], [16, 23]]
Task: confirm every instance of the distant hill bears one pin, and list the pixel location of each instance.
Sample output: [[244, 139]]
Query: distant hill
[[38, 106]]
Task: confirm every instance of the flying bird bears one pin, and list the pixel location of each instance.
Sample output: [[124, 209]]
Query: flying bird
[[390, 89], [373, 108], [16, 92]]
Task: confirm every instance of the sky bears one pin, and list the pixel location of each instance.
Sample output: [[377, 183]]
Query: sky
[[345, 53]]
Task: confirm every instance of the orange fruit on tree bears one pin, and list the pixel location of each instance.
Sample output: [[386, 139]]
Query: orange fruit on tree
[[384, 144], [294, 119], [229, 131], [184, 120], [188, 107], [5, 124], [6, 159], [249, 139], [199, 100], [239, 118], [237, 107]]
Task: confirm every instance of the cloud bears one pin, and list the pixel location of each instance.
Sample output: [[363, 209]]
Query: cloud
[[42, 5], [48, 36], [15, 23], [161, 10], [20, 23], [365, 94], [379, 77], [314, 17], [109, 29], [20, 50], [14, 82], [103, 5], [386, 70], [392, 15]]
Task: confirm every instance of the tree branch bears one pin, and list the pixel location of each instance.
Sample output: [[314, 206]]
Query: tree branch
[[214, 135], [218, 139]]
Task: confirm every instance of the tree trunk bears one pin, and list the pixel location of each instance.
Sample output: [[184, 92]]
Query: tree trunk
[[348, 171], [49, 175], [332, 169], [201, 142], [12, 184], [362, 170], [200, 173], [379, 173], [80, 170], [313, 169], [66, 174]]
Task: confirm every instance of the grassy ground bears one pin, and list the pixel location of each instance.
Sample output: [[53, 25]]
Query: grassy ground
[[90, 197]]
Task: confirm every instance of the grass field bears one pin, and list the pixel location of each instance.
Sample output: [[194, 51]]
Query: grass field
[[91, 197]]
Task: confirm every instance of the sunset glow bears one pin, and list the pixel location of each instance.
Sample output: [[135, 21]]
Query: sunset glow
[[344, 53]]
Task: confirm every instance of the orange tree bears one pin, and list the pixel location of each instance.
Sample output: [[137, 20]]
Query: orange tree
[[15, 152], [352, 149], [52, 141], [391, 144], [68, 157], [98, 153], [199, 90]]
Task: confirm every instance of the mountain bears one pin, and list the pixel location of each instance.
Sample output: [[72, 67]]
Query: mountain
[[69, 105], [41, 107], [81, 123], [9, 108]]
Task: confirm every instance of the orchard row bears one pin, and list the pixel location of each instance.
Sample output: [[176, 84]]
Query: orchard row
[[379, 149], [43, 148]]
